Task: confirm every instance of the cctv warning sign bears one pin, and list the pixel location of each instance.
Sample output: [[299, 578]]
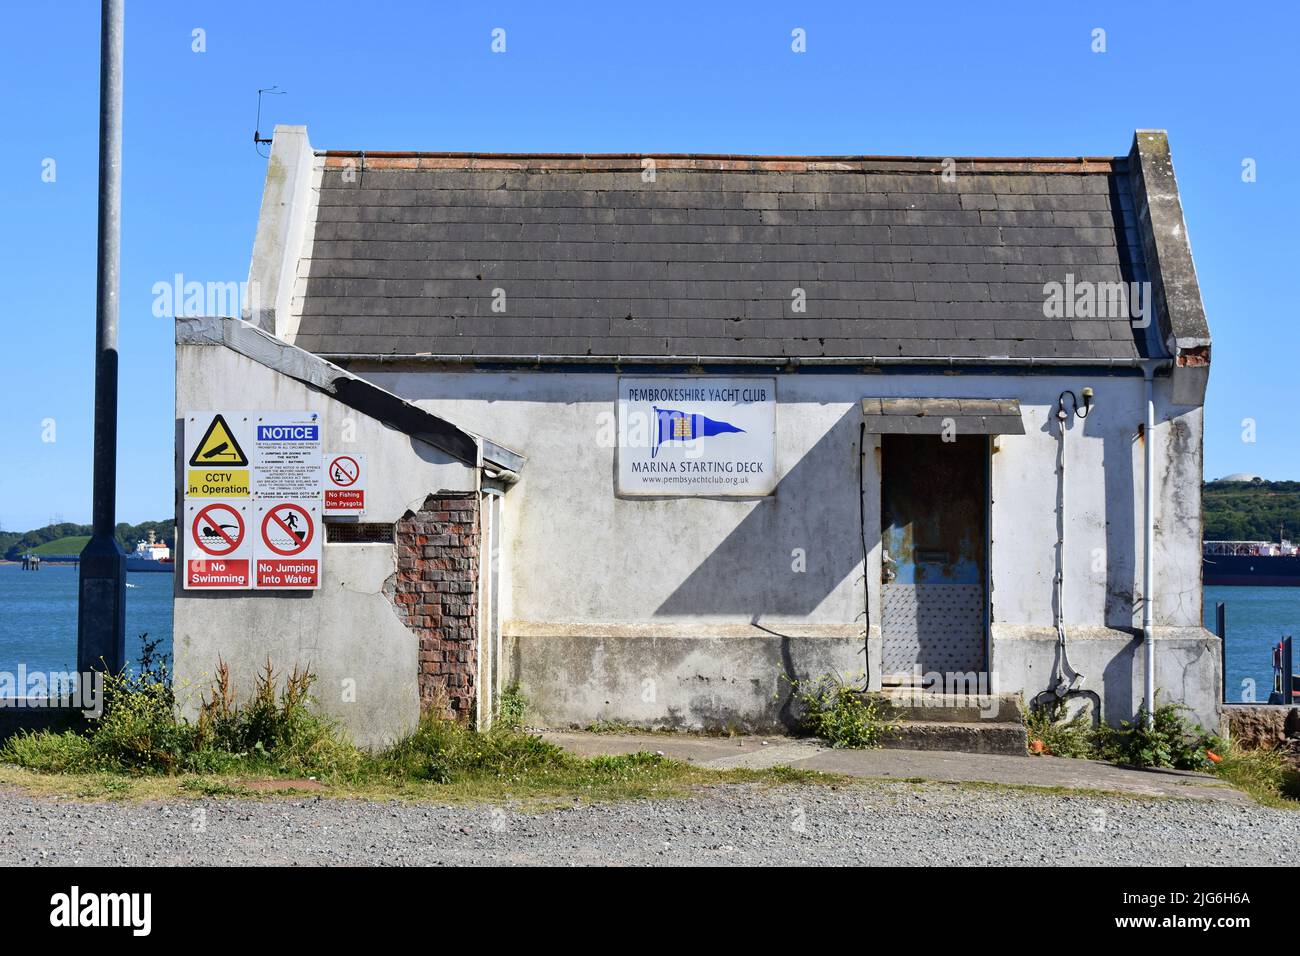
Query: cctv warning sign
[[214, 449], [217, 483], [218, 545], [218, 446]]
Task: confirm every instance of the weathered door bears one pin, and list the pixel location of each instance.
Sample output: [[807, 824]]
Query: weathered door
[[934, 499]]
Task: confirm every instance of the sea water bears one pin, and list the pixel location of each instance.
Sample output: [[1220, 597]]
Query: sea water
[[38, 616], [1256, 619], [38, 623]]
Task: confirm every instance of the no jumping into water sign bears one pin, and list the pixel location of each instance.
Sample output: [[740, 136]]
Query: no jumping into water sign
[[288, 549]]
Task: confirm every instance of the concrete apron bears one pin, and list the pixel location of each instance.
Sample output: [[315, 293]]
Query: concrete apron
[[756, 753]]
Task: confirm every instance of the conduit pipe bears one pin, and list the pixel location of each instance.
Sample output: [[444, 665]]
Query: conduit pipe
[[1148, 549]]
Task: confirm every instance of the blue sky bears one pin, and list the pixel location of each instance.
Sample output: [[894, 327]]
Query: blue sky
[[929, 79]]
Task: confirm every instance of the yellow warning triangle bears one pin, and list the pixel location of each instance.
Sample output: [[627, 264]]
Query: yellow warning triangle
[[218, 446]]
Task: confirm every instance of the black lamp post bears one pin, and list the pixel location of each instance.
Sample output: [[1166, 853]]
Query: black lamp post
[[101, 609]]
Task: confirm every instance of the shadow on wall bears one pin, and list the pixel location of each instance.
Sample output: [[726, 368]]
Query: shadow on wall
[[813, 516], [431, 454], [1119, 702], [1121, 529], [1119, 513]]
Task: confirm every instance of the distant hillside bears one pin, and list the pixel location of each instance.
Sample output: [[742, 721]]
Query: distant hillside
[[14, 544], [62, 546], [1251, 510]]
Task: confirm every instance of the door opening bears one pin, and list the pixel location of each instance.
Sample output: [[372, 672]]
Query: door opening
[[934, 532]]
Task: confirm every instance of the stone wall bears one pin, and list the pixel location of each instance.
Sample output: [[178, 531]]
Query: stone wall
[[1254, 726], [436, 595]]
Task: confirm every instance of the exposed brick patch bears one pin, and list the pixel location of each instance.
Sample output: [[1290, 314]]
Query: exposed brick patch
[[1199, 355], [436, 596]]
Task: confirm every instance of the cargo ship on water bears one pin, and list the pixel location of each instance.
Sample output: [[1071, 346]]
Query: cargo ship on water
[[151, 555], [1252, 563]]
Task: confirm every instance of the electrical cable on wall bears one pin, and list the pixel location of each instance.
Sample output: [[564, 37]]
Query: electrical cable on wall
[[1066, 681], [866, 583]]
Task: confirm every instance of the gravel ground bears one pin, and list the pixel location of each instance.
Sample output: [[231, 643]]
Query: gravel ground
[[740, 825]]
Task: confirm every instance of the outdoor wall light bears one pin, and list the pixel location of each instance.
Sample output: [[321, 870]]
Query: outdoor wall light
[[1080, 410]]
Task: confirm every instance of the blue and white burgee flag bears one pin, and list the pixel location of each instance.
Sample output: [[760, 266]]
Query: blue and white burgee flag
[[673, 425]]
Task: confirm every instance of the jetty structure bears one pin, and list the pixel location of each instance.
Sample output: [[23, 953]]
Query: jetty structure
[[652, 436]]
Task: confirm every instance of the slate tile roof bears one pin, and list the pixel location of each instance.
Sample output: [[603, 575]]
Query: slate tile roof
[[592, 260]]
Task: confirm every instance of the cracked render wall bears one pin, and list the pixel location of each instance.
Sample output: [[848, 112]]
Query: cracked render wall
[[686, 612], [350, 633]]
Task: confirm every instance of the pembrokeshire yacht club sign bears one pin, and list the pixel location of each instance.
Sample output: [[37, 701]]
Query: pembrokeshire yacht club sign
[[700, 436]]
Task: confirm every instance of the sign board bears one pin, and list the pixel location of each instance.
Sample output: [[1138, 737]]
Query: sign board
[[253, 499], [345, 484], [287, 552], [701, 435], [216, 456], [218, 545], [286, 455]]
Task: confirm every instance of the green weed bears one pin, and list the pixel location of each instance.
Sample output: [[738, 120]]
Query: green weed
[[512, 708], [840, 714], [1172, 741]]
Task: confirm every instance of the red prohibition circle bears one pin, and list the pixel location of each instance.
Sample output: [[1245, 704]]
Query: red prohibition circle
[[306, 540], [213, 531], [356, 471]]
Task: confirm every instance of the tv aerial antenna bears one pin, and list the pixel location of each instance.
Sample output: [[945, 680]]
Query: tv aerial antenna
[[258, 139]]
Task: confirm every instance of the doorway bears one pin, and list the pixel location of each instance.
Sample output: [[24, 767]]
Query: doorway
[[934, 532]]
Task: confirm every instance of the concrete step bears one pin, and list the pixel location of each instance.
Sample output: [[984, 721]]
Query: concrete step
[[978, 737], [921, 706], [903, 681]]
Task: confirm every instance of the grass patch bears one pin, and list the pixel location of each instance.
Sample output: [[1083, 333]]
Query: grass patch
[[208, 787], [140, 748], [441, 751], [618, 727], [1172, 742], [783, 773], [614, 727], [1045, 790], [72, 545], [274, 732], [571, 780], [1264, 774], [47, 752]]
